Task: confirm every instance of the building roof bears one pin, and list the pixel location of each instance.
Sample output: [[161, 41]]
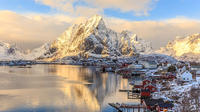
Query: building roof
[[147, 80], [145, 90], [198, 72], [153, 102], [195, 66], [149, 62], [154, 85], [160, 102], [186, 73], [166, 105]]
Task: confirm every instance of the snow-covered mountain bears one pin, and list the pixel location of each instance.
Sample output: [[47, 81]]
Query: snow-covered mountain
[[89, 39], [185, 48], [10, 52], [93, 38]]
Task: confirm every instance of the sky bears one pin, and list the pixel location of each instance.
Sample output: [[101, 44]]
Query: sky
[[30, 23]]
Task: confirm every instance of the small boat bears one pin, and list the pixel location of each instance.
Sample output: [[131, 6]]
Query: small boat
[[24, 67]]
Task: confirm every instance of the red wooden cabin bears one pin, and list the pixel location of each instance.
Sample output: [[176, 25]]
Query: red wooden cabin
[[171, 76], [145, 93], [151, 87], [138, 86]]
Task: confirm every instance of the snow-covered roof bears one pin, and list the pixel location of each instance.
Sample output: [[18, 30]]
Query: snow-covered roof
[[186, 73], [198, 72]]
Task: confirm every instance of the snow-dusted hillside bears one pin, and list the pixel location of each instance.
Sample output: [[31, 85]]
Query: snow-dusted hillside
[[10, 52], [45, 51], [93, 38], [186, 49]]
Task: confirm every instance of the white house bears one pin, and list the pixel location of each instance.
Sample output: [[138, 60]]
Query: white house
[[185, 76], [198, 73], [198, 79]]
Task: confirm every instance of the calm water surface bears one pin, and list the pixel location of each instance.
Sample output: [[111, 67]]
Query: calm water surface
[[59, 88]]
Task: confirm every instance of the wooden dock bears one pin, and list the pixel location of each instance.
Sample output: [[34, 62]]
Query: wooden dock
[[132, 95], [128, 108], [124, 90]]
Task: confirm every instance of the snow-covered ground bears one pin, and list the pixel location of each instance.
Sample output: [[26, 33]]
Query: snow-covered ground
[[184, 96]]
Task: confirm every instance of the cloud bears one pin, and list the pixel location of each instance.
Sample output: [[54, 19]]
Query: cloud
[[158, 32], [64, 5], [67, 6], [32, 30], [16, 28], [137, 7]]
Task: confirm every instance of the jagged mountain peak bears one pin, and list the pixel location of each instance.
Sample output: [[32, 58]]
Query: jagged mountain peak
[[129, 34], [84, 29], [95, 21], [189, 38], [92, 38]]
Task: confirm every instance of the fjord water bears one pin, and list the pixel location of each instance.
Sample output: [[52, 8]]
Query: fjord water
[[59, 88]]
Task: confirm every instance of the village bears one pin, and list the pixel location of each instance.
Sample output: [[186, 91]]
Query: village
[[161, 87]]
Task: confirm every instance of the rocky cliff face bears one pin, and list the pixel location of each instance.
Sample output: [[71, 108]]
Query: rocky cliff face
[[186, 48]]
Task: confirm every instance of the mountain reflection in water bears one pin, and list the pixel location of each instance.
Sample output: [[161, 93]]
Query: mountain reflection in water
[[59, 88]]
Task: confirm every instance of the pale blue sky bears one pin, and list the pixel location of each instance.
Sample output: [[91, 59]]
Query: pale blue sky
[[163, 9]]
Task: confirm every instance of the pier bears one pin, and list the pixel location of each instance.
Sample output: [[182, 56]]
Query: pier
[[128, 108]]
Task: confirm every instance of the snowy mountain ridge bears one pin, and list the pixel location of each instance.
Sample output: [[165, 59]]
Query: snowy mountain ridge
[[42, 52], [183, 48], [10, 52]]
